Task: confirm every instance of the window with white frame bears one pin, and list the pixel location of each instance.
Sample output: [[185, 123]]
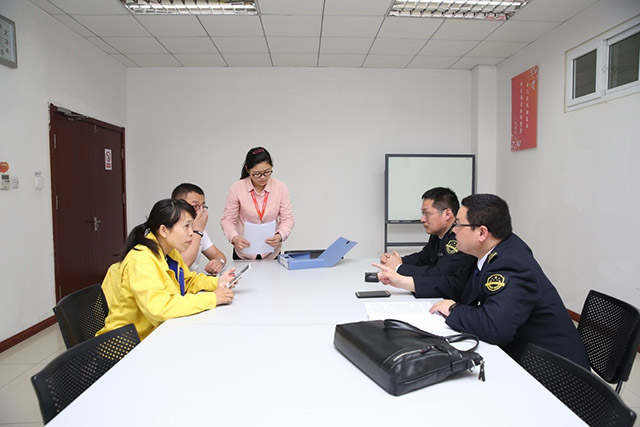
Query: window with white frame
[[604, 68]]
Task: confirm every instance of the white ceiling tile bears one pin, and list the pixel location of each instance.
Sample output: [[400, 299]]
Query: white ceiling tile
[[200, 60], [135, 44], [468, 62], [291, 26], [387, 61], [218, 25], [47, 6], [357, 7], [154, 60], [447, 47], [241, 44], [172, 26], [96, 41], [291, 7], [294, 60], [74, 25], [188, 44], [521, 31], [345, 45], [112, 25], [438, 62], [293, 44], [91, 7], [396, 46], [552, 10], [331, 60], [124, 60], [465, 29], [351, 26], [407, 28], [247, 60], [496, 49]]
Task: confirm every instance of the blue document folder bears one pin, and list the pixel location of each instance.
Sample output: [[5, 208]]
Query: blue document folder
[[328, 258]]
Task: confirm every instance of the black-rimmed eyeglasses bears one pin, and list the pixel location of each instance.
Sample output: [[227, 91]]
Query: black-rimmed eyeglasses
[[456, 223], [261, 174]]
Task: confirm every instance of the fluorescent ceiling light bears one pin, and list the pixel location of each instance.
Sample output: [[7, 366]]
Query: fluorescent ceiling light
[[462, 9], [191, 7]]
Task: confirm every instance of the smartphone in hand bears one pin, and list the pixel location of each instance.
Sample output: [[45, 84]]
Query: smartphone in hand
[[239, 275]]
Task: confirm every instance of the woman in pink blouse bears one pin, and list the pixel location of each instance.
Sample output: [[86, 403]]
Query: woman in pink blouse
[[257, 198]]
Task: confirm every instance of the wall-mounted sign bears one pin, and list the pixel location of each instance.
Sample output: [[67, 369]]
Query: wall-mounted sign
[[108, 160], [524, 110]]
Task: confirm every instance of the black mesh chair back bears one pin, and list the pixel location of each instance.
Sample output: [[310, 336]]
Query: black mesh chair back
[[81, 314], [610, 330], [584, 393], [72, 372]]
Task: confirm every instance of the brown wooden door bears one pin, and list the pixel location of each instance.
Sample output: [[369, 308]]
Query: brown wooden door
[[89, 208]]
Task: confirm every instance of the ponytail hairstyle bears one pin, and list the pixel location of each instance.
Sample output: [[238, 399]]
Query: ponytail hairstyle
[[166, 212], [255, 156]]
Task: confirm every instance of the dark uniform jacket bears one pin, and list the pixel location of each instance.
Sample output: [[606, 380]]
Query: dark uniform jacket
[[509, 303], [440, 257]]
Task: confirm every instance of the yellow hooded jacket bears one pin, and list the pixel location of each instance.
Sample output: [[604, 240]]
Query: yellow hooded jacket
[[143, 290]]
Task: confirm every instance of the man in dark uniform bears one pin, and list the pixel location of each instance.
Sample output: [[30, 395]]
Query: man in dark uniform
[[440, 257], [507, 299]]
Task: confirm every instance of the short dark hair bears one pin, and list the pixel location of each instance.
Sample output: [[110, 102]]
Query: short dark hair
[[181, 191], [255, 156], [443, 198], [491, 211]]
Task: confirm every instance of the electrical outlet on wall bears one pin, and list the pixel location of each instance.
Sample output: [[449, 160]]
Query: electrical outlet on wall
[[15, 182]]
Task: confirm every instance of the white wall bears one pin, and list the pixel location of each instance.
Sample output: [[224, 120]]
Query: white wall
[[327, 130], [54, 66], [575, 198]]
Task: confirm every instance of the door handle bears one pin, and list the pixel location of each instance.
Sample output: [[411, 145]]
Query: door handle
[[96, 223]]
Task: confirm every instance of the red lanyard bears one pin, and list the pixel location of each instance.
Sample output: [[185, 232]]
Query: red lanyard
[[264, 203]]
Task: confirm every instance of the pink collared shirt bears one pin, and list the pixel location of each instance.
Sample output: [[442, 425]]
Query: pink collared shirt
[[239, 207]]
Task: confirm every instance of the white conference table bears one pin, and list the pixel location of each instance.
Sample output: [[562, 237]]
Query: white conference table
[[268, 359]]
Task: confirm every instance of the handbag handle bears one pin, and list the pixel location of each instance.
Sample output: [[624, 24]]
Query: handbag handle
[[399, 324]]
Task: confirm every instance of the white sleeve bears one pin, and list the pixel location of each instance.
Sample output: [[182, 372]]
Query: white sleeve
[[205, 242]]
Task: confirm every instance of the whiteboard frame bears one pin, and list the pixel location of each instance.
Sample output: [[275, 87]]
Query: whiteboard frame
[[434, 156]]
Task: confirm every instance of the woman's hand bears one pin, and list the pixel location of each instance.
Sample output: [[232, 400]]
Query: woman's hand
[[274, 240], [224, 295], [240, 243], [226, 280]]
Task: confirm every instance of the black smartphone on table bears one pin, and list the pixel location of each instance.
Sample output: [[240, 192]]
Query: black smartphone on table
[[373, 294]]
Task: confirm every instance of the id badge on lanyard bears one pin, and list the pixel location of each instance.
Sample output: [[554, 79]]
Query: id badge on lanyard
[[264, 204]]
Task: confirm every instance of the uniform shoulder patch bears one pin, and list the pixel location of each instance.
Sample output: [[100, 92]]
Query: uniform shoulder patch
[[452, 247], [492, 256], [495, 283]]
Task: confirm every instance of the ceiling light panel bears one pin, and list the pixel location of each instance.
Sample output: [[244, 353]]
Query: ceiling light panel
[[461, 9], [191, 7]]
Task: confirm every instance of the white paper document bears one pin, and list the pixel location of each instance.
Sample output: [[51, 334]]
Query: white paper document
[[256, 234], [415, 313]]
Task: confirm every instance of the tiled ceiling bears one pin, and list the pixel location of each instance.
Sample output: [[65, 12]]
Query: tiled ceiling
[[308, 33]]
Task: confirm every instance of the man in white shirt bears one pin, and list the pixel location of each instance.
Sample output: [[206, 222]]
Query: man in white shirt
[[194, 195]]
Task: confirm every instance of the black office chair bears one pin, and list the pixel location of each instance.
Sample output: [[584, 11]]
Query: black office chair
[[75, 370], [610, 330], [584, 393], [81, 314]]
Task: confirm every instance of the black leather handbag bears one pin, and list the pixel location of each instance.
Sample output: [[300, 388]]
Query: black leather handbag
[[402, 358]]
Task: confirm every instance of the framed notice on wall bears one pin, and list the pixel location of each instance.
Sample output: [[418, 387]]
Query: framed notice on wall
[[524, 110]]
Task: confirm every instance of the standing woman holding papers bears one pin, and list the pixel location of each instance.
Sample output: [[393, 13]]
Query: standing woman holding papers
[[257, 205]]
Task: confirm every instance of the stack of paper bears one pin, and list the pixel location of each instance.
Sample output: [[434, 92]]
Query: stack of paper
[[415, 313]]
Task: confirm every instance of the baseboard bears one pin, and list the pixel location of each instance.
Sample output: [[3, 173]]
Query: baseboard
[[21, 336], [574, 316]]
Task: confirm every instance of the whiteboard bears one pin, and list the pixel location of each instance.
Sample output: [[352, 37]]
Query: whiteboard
[[408, 176]]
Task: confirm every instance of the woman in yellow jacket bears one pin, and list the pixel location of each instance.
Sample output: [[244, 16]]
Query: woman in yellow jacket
[[151, 283]]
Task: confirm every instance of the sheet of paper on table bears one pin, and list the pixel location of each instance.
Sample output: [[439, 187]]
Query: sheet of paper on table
[[415, 313]]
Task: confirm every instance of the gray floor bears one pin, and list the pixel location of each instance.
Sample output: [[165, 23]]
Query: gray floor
[[19, 406]]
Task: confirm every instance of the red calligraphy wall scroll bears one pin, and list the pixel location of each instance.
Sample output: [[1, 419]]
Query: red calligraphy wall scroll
[[524, 110]]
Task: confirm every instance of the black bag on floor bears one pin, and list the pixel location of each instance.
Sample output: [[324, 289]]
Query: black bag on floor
[[402, 358]]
